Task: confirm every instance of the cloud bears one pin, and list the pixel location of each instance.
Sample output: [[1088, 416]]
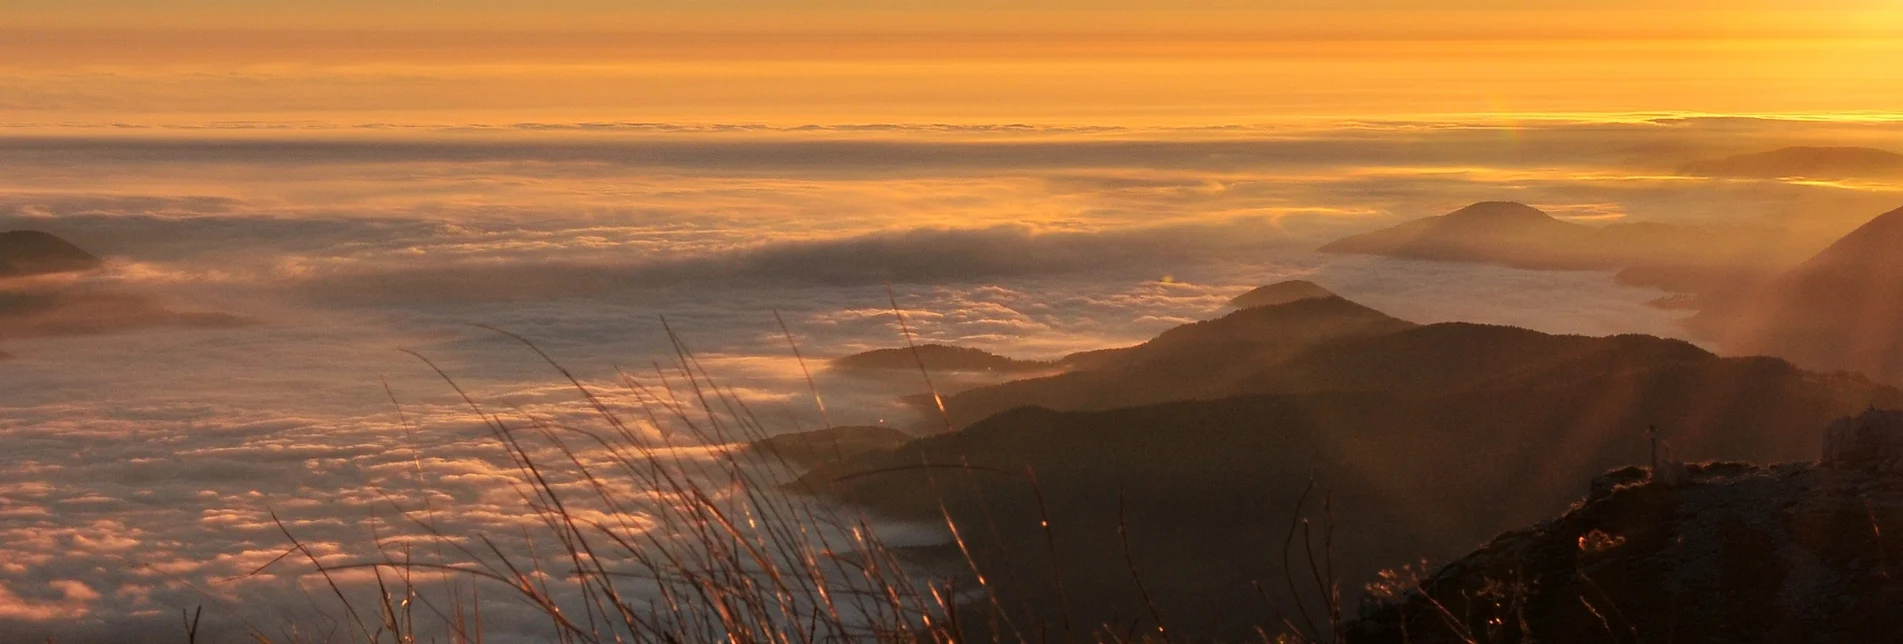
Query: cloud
[[145, 465], [1397, 143], [917, 256], [36, 308]]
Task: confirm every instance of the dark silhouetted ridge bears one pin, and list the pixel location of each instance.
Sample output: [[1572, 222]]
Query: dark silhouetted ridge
[[1280, 293], [31, 252], [1281, 328], [1207, 359], [1425, 439]]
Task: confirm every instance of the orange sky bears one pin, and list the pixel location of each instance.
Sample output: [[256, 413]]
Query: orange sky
[[135, 62]]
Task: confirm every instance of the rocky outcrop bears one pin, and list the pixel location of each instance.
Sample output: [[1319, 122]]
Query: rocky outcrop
[[1735, 552], [1871, 441]]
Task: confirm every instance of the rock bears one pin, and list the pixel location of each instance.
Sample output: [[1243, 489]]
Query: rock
[[1870, 441], [1605, 484], [1737, 553]]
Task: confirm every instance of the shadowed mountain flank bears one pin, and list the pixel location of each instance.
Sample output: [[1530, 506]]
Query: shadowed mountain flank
[[1207, 488], [1422, 440], [1734, 553], [936, 358], [30, 252], [1280, 293], [1803, 162], [1207, 359], [1842, 309]]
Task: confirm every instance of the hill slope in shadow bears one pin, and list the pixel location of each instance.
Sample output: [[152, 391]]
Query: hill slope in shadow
[[1735, 553], [30, 252], [1424, 440], [1209, 359], [1842, 309], [1280, 293]]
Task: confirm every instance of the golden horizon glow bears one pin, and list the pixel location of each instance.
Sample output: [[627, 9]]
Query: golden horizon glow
[[208, 62]]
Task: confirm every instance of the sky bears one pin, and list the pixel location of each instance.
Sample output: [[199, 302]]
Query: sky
[[131, 63]]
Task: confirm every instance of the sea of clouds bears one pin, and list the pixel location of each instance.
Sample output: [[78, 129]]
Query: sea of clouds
[[144, 459]]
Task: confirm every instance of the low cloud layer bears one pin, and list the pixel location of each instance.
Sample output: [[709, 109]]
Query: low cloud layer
[[145, 464], [920, 256], [34, 310]]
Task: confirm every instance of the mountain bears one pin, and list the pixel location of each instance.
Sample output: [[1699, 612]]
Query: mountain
[[937, 358], [1803, 162], [1421, 440], [1513, 234], [1316, 345], [1842, 309], [1206, 490], [1280, 293], [1209, 359], [1493, 231], [1736, 553], [31, 252]]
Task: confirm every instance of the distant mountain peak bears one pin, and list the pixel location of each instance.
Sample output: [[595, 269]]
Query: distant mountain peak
[[1499, 211], [1500, 232], [33, 252], [1280, 293]]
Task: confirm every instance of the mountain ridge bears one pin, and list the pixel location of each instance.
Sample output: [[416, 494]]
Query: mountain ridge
[[1489, 428], [26, 253], [1840, 309]]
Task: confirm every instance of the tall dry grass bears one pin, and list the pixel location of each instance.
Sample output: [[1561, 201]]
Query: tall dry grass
[[645, 546]]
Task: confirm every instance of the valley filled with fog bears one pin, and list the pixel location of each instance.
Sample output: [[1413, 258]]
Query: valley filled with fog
[[241, 350]]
